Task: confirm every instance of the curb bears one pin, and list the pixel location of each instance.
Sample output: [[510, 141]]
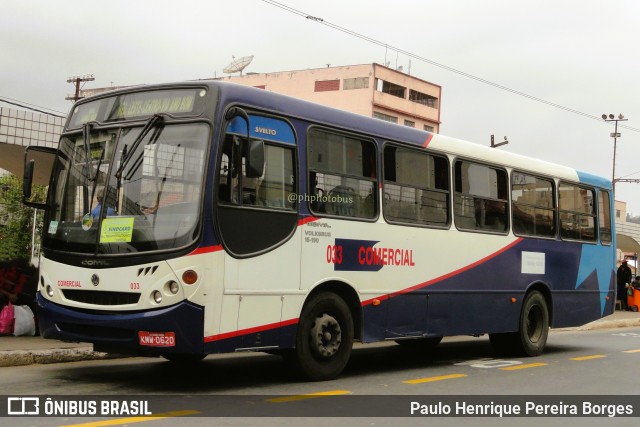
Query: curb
[[29, 357], [605, 324]]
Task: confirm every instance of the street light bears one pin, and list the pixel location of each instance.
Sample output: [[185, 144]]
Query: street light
[[615, 135]]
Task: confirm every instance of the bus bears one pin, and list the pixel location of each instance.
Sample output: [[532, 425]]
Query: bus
[[207, 217]]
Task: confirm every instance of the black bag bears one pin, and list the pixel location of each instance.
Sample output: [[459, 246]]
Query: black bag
[[4, 300]]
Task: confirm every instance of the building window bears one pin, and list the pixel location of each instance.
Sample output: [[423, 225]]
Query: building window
[[428, 128], [391, 88], [327, 85], [423, 98], [385, 117], [355, 83], [410, 123]]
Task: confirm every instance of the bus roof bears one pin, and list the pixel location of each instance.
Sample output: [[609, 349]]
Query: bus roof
[[354, 122], [323, 115]]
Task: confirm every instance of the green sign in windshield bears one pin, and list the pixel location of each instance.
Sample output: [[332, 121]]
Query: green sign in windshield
[[139, 105]]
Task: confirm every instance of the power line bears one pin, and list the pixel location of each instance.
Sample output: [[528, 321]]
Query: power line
[[26, 105], [322, 21]]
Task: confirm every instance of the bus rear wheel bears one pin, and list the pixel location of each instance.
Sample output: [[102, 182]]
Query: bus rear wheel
[[531, 338], [324, 339]]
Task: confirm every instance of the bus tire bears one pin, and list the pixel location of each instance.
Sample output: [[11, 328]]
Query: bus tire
[[531, 338], [324, 339]]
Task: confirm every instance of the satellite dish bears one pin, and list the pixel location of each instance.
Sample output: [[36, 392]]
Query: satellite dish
[[237, 65]]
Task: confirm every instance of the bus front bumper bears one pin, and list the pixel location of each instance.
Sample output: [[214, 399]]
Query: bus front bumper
[[177, 329]]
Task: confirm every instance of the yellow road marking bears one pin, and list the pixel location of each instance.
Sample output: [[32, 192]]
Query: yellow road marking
[[529, 365], [120, 421], [308, 396], [433, 379], [632, 351], [595, 356]]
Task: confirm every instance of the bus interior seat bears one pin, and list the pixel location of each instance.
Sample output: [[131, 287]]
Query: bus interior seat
[[342, 200]]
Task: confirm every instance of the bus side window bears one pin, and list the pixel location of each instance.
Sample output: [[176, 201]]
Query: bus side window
[[604, 217], [416, 187], [533, 205], [480, 197], [227, 175], [342, 175], [276, 187], [577, 212]]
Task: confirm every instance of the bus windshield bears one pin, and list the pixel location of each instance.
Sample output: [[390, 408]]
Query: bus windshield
[[127, 189]]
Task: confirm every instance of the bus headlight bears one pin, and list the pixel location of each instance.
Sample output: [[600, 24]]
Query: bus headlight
[[173, 287], [157, 297], [49, 291]]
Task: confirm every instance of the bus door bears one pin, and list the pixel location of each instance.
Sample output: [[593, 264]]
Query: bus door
[[257, 220]]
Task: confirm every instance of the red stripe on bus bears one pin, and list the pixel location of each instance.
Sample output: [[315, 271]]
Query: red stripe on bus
[[206, 250], [307, 220], [253, 330], [445, 276], [427, 141]]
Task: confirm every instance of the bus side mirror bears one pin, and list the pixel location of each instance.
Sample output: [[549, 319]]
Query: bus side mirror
[[27, 179], [255, 158], [254, 148], [38, 165]]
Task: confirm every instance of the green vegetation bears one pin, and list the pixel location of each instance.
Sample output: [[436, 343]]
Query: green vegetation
[[16, 220]]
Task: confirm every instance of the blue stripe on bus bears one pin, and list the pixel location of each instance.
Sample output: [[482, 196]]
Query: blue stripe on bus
[[598, 181], [264, 128], [593, 258]]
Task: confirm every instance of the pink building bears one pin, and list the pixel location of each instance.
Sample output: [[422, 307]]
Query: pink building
[[370, 89]]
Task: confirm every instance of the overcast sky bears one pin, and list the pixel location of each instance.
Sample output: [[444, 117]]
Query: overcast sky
[[580, 55]]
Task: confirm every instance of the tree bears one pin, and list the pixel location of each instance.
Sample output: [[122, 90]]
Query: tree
[[16, 220]]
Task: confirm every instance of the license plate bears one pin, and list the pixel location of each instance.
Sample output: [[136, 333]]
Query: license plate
[[157, 339]]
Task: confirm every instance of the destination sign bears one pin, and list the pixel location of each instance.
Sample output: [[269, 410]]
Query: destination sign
[[139, 104], [150, 103]]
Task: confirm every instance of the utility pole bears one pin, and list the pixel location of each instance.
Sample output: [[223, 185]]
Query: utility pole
[[615, 135], [77, 80]]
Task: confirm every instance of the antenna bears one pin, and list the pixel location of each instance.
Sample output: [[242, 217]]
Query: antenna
[[237, 65]]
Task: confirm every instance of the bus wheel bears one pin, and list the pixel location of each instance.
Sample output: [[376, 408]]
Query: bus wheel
[[325, 338], [184, 358], [531, 338]]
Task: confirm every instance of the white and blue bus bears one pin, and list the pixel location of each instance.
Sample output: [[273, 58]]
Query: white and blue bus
[[206, 217]]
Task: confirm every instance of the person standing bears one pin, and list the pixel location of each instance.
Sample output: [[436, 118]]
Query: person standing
[[624, 278]]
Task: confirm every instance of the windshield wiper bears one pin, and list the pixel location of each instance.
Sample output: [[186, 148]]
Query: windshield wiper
[[86, 136], [125, 158]]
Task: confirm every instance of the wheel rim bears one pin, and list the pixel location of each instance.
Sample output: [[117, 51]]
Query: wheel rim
[[326, 336], [534, 323]]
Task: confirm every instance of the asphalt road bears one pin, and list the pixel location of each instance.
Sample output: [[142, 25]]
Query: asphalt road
[[381, 379]]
